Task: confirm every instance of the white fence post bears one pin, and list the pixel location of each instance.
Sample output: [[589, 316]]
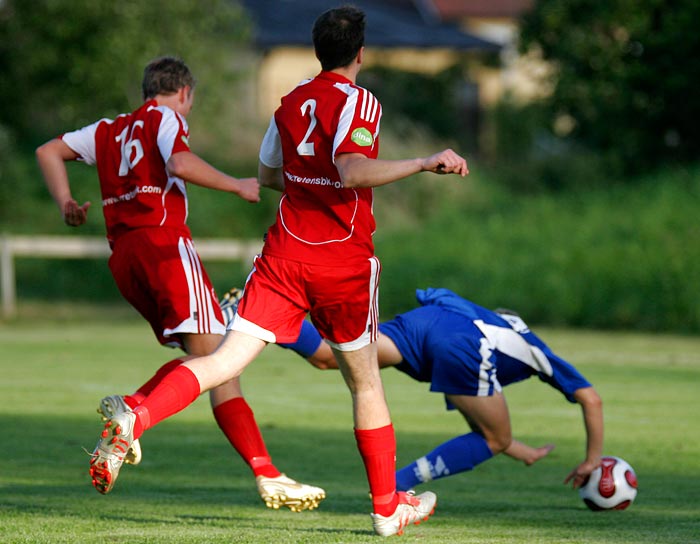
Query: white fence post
[[7, 274]]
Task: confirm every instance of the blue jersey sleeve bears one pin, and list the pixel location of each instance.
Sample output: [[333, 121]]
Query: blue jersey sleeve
[[308, 342], [565, 377]]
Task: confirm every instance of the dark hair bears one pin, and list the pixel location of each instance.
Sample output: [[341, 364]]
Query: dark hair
[[338, 35], [165, 75]]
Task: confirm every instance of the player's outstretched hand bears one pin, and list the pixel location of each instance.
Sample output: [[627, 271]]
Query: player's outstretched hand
[[446, 162], [580, 473], [75, 215], [249, 189]]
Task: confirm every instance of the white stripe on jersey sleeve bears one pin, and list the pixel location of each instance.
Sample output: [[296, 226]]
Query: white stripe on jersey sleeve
[[82, 141], [363, 109], [271, 147], [370, 106], [375, 108]]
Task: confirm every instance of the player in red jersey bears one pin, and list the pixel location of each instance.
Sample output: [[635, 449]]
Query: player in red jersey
[[321, 151], [143, 162]]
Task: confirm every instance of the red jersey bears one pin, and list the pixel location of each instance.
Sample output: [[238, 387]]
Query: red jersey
[[319, 221], [130, 153]]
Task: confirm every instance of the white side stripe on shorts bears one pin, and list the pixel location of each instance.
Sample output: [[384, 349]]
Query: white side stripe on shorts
[[200, 299]]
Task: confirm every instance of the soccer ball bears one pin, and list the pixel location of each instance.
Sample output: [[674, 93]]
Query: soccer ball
[[612, 486]]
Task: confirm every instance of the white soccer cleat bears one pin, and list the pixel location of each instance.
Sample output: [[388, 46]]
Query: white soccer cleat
[[110, 407], [411, 509], [283, 491], [108, 456]]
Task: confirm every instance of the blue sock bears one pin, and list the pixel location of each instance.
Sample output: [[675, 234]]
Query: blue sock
[[454, 456]]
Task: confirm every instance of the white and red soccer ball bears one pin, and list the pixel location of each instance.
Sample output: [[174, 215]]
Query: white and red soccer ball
[[612, 486]]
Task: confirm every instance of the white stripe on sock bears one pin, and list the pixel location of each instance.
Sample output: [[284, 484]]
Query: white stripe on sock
[[423, 469]]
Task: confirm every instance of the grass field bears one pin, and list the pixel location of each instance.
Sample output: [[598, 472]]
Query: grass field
[[192, 487]]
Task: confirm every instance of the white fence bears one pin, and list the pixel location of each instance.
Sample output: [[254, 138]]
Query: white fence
[[82, 247]]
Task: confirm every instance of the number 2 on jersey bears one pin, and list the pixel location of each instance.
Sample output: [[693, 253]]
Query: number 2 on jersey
[[306, 148]]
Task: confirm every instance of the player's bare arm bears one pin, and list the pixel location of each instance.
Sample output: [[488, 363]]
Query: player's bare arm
[[193, 169], [592, 407], [357, 170], [270, 177], [51, 157], [387, 354]]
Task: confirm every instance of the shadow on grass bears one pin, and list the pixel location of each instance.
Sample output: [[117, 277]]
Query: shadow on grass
[[191, 475]]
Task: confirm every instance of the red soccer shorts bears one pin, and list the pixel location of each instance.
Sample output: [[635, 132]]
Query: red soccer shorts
[[161, 275], [342, 301]]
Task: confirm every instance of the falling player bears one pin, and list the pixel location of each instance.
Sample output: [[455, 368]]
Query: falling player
[[469, 353]]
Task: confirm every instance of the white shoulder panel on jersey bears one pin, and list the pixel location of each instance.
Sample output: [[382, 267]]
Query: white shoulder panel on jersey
[[510, 342], [346, 115], [516, 322], [82, 141], [168, 130], [271, 147]]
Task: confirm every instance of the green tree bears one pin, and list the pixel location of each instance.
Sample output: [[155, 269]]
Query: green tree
[[65, 63], [625, 76]]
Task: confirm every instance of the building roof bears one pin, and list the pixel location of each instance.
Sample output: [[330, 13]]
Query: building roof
[[454, 10], [390, 24]]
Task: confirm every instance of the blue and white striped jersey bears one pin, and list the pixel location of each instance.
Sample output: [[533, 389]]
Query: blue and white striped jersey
[[462, 348]]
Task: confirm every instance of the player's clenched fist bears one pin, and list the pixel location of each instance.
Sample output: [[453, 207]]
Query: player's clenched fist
[[446, 162], [249, 189]]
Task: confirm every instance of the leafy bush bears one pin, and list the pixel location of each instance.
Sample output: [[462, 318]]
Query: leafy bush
[[524, 154], [68, 63]]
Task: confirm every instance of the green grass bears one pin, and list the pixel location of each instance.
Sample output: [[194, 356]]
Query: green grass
[[192, 487]]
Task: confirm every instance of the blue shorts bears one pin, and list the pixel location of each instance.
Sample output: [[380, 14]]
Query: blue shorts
[[445, 349]]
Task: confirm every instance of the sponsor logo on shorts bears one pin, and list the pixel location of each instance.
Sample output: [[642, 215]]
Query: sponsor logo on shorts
[[362, 137]]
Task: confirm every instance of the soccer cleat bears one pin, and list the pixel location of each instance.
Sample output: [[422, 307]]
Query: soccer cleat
[[110, 407], [283, 491], [108, 456], [411, 509], [229, 303]]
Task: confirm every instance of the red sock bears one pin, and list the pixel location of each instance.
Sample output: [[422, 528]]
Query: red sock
[[176, 391], [134, 400], [150, 385], [378, 450], [236, 420]]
